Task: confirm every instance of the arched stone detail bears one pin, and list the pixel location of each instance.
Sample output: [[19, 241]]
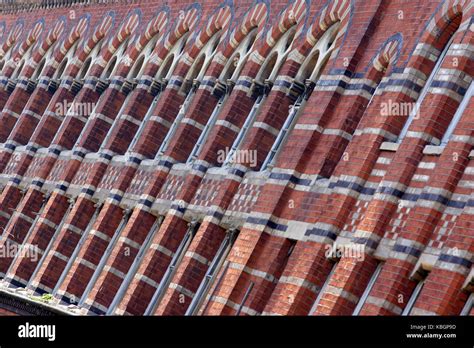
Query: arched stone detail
[[128, 26], [433, 34], [75, 34], [254, 18], [388, 54], [43, 47], [30, 40], [126, 29], [89, 44], [295, 14], [12, 38], [335, 11], [185, 22], [155, 27], [447, 11], [218, 20]]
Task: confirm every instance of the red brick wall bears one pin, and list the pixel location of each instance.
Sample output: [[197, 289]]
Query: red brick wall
[[128, 226]]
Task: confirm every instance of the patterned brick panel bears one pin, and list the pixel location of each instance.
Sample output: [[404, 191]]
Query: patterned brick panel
[[110, 197], [139, 182], [245, 198]]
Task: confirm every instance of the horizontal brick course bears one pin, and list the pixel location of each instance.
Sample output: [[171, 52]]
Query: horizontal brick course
[[101, 172]]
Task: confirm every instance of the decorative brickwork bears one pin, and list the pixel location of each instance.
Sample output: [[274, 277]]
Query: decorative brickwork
[[237, 158]]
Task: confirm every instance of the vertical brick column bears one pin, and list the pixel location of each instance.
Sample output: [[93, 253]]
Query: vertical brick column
[[392, 288], [250, 279], [443, 292], [12, 110], [132, 236], [68, 236], [346, 285], [16, 231], [119, 263], [394, 280], [308, 267], [271, 116], [236, 106], [102, 234], [89, 256], [66, 137], [192, 269], [16, 56], [20, 96], [338, 124], [394, 184], [274, 198], [23, 267], [32, 115], [220, 138], [27, 122], [156, 261], [63, 245], [178, 151], [301, 281]]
